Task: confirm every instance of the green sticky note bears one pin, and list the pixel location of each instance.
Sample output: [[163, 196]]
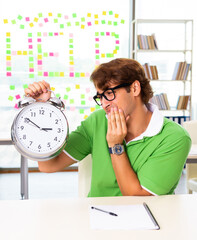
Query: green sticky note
[[77, 74], [61, 25], [13, 21], [97, 57], [31, 75], [74, 15], [117, 47], [22, 26], [70, 40], [65, 97], [96, 34], [71, 58], [9, 69], [68, 89], [12, 87], [72, 101], [97, 45], [8, 40], [109, 22], [31, 65], [8, 51], [103, 21], [39, 46], [102, 34], [40, 15], [116, 35], [81, 111], [29, 34], [8, 46], [51, 74], [45, 54], [31, 59], [59, 15], [55, 20], [57, 74], [83, 19], [77, 23], [31, 52], [83, 102], [51, 34], [40, 74], [57, 95], [68, 24], [82, 96], [19, 17], [25, 86], [39, 50], [70, 46], [39, 34], [115, 23], [110, 12], [122, 21], [10, 98]]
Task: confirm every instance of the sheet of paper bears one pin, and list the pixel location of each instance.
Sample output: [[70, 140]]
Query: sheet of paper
[[129, 217], [193, 150]]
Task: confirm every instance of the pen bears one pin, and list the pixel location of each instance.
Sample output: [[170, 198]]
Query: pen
[[151, 216], [111, 213]]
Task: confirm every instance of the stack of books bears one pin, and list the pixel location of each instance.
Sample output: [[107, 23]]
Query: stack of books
[[147, 41], [182, 102], [161, 101], [151, 71], [181, 71]]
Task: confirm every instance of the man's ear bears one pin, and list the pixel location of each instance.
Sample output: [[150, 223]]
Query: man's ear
[[136, 87]]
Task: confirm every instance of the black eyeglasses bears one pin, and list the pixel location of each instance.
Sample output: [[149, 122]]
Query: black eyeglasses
[[108, 94]]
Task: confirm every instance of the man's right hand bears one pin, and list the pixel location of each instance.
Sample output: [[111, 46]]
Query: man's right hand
[[39, 90]]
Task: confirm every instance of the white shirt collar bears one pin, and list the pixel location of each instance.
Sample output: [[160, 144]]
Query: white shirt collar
[[155, 125]]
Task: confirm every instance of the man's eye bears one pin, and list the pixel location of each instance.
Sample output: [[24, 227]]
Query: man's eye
[[108, 92]]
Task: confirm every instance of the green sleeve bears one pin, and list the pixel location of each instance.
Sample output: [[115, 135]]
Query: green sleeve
[[161, 172]]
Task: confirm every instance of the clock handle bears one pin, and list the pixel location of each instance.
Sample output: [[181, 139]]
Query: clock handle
[[26, 101], [56, 101]]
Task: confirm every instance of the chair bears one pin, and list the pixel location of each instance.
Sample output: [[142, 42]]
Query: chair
[[84, 176], [191, 168]]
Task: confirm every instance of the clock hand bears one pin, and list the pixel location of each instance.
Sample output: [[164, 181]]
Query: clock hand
[[46, 129], [28, 120]]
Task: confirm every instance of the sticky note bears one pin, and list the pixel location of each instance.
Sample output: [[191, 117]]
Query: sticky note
[[51, 54], [90, 99], [68, 24], [9, 74], [115, 24], [89, 15], [117, 42], [72, 101], [87, 74], [83, 19], [74, 15], [70, 35], [92, 109], [40, 25], [16, 106], [31, 69], [116, 15], [89, 23], [52, 89], [18, 96], [82, 26], [110, 12], [77, 86], [96, 22], [61, 74], [82, 96], [103, 21], [25, 86], [104, 13], [107, 33], [70, 51], [83, 102], [77, 23], [57, 95], [50, 14], [77, 74], [40, 15], [82, 74], [12, 87], [19, 17], [46, 20], [31, 24], [22, 26], [59, 15], [55, 20], [96, 45], [68, 89], [96, 51], [85, 116], [13, 21], [115, 51], [31, 75], [71, 74], [61, 25], [97, 107], [81, 111], [27, 19], [5, 21], [7, 34], [87, 90], [35, 19], [97, 39], [45, 74], [66, 97], [122, 21], [66, 17], [10, 98], [8, 58], [109, 22]]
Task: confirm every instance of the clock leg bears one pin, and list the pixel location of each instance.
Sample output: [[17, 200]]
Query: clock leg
[[24, 178]]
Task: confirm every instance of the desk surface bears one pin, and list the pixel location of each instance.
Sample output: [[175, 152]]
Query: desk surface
[[69, 218]]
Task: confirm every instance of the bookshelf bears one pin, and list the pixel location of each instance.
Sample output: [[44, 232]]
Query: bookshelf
[[173, 48]]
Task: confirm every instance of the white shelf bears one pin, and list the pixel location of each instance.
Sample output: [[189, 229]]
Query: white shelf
[[160, 51], [184, 21]]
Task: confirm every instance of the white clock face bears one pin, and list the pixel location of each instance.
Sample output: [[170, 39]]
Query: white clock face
[[40, 130]]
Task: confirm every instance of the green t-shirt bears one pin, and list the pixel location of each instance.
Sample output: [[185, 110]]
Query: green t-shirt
[[157, 160]]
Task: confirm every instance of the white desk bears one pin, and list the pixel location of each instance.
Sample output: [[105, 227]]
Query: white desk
[[69, 219]]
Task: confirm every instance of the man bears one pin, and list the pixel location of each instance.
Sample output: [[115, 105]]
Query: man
[[135, 150]]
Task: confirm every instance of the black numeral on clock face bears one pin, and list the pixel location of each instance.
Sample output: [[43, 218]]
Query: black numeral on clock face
[[48, 144], [55, 139], [33, 114], [24, 136], [30, 143], [41, 112], [39, 146]]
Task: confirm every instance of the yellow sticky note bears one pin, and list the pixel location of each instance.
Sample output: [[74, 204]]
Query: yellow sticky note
[[31, 24], [5, 20], [89, 14], [96, 22], [61, 74], [8, 34], [52, 89], [19, 52], [35, 19], [82, 74], [40, 57], [71, 63], [70, 51], [103, 55], [24, 52], [104, 12], [96, 16], [77, 86], [50, 14], [82, 26], [92, 109], [61, 33], [116, 15], [8, 58], [115, 51], [85, 116]]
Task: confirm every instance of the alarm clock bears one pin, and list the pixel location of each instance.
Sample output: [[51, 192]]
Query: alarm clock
[[40, 130]]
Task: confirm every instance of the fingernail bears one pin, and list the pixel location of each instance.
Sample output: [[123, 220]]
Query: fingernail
[[115, 109]]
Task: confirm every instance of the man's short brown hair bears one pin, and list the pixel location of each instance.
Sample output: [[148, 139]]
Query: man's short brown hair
[[122, 70]]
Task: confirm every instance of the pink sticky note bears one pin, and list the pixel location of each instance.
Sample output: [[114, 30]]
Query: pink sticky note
[[96, 51], [87, 74], [16, 106], [90, 99], [31, 69], [39, 62], [107, 33], [27, 19], [30, 40], [97, 39], [39, 40], [97, 62], [45, 34], [40, 68], [56, 54], [40, 25], [71, 35], [46, 19], [51, 54], [46, 74], [71, 74], [30, 46], [117, 41], [89, 24], [72, 109], [14, 53], [17, 96], [56, 34], [71, 69], [66, 17], [87, 90], [8, 64], [9, 74]]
